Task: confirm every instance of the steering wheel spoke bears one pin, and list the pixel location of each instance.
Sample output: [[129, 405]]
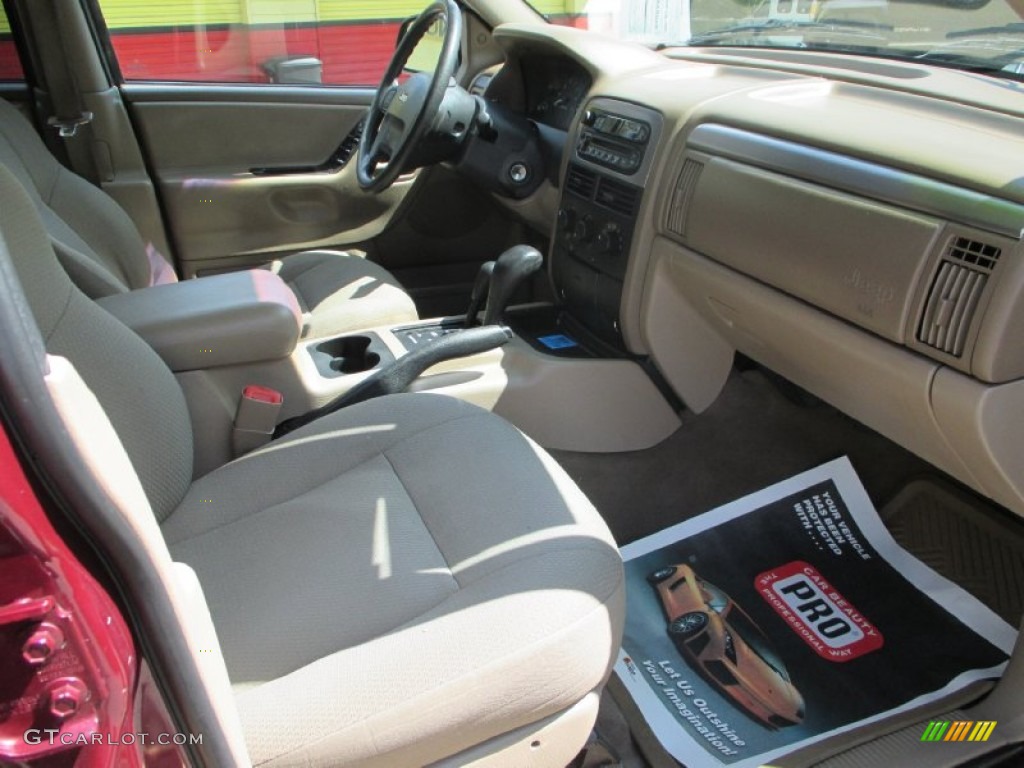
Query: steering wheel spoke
[[388, 136], [403, 110], [388, 96]]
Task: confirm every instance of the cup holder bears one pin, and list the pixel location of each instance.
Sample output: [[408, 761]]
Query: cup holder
[[349, 354]]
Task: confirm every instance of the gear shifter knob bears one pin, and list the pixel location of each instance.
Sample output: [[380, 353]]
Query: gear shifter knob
[[510, 269], [480, 290]]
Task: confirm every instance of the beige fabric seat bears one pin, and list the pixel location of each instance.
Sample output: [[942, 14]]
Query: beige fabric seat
[[103, 253], [407, 581]]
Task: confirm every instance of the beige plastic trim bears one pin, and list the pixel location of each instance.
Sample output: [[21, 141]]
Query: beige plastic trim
[[200, 629], [125, 177], [876, 182], [699, 311], [239, 317], [569, 404], [981, 424], [205, 133], [904, 78], [687, 349], [598, 53], [246, 93], [103, 453], [594, 406], [224, 216], [853, 257], [498, 11], [876, 382]]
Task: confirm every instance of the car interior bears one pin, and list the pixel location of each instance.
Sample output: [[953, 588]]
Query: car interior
[[351, 394]]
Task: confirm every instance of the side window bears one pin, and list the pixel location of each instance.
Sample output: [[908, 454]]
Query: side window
[[330, 42], [10, 64]]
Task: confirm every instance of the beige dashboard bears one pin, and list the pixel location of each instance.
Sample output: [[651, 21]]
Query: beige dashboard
[[853, 224]]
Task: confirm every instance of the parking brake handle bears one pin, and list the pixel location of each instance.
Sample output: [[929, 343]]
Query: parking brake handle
[[398, 375]]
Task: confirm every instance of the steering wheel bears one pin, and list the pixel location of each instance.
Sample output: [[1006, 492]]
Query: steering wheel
[[402, 112]]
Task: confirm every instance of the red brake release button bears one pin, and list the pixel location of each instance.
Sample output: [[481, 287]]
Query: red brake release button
[[262, 394]]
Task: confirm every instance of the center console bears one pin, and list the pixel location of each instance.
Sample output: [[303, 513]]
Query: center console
[[601, 195]]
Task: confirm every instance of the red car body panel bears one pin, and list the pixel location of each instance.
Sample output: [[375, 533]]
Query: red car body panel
[[69, 662]]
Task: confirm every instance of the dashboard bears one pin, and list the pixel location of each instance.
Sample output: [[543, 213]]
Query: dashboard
[[854, 225]]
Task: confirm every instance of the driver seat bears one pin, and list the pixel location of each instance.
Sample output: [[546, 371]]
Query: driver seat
[[101, 250]]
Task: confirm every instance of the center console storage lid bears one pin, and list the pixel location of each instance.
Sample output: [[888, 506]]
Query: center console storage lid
[[239, 317]]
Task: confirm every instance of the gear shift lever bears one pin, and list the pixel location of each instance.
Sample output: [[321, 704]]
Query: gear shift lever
[[480, 290], [511, 268]]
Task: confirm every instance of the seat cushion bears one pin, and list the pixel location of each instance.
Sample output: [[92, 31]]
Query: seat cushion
[[341, 292], [400, 581]]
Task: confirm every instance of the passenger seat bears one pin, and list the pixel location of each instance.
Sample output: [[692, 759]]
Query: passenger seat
[[101, 250], [408, 581]]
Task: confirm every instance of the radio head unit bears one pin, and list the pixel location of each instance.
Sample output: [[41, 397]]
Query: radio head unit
[[613, 141]]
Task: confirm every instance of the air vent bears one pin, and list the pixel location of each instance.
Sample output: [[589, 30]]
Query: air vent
[[969, 251], [580, 181], [683, 194], [618, 197], [350, 144], [950, 307]]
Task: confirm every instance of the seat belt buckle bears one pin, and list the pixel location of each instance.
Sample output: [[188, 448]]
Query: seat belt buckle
[[67, 127], [255, 419]]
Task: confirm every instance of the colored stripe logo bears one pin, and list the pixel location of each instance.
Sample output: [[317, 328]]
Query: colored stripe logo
[[958, 730]]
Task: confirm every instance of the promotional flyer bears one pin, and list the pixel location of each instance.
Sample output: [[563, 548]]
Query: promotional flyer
[[788, 616]]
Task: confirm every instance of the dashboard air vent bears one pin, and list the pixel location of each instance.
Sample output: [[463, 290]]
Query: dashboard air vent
[[969, 251], [617, 196], [682, 195], [581, 181], [950, 307]]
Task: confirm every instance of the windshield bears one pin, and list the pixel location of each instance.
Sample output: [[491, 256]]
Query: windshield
[[978, 35]]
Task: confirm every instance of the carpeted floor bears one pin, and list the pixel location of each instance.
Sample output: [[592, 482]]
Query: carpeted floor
[[755, 434]]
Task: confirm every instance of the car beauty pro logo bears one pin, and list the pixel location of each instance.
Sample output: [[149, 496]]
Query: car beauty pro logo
[[815, 610]]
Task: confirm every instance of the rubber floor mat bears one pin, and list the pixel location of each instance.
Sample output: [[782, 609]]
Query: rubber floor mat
[[964, 540]]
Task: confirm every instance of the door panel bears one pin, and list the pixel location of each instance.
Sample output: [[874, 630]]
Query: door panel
[[206, 126], [209, 147]]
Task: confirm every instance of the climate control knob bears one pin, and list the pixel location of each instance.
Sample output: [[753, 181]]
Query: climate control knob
[[584, 229], [610, 241], [566, 220]]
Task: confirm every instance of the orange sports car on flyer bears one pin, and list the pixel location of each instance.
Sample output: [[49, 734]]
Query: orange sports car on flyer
[[723, 643]]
